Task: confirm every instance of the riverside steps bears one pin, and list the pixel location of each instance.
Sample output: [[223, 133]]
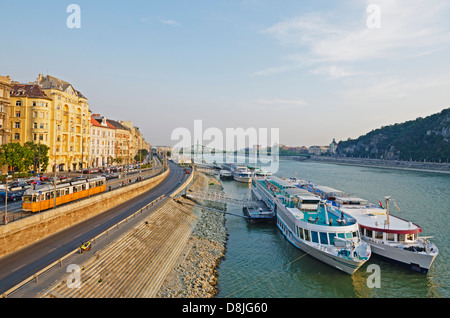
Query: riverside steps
[[143, 259]]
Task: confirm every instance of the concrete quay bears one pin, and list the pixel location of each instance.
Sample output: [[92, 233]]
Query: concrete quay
[[441, 167]]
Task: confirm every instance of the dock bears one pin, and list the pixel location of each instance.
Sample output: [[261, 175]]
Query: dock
[[259, 213]]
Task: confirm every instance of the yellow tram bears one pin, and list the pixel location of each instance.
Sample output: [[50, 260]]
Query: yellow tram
[[42, 197]]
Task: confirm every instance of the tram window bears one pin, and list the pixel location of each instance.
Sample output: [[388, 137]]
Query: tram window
[[47, 196], [323, 237], [74, 190], [67, 191], [332, 236], [52, 195], [83, 187], [314, 237], [390, 236], [27, 198], [57, 193], [91, 185]]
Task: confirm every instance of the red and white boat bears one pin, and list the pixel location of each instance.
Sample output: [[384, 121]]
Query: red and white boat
[[389, 236]]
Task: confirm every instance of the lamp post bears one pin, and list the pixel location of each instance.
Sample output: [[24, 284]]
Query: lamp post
[[5, 219]]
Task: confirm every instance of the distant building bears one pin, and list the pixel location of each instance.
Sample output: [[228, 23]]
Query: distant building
[[5, 88], [318, 150], [333, 147]]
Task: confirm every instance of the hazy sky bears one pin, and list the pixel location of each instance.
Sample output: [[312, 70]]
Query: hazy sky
[[313, 69]]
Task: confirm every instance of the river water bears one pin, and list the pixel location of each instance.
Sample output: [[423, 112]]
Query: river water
[[261, 263]]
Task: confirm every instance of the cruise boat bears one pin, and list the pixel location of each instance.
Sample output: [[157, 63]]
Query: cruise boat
[[226, 175], [240, 172], [310, 225], [260, 172], [389, 236]]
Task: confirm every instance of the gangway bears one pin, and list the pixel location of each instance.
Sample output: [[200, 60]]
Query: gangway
[[221, 197]]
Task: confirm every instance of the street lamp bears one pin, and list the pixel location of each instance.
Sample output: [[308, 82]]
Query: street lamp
[[5, 218]]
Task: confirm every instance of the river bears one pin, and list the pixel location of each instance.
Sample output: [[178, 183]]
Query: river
[[261, 263]]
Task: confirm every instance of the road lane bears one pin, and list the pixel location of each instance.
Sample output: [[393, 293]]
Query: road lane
[[22, 264]]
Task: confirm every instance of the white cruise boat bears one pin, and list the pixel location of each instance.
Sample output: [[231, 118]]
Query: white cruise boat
[[312, 226], [390, 236], [240, 172]]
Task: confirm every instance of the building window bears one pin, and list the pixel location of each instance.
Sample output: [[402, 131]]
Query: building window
[[18, 103], [17, 125], [35, 125], [18, 113], [17, 136]]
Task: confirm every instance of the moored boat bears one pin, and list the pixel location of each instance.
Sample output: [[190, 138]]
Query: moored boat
[[389, 236], [312, 226]]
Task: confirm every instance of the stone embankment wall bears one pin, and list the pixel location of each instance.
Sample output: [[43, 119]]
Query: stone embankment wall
[[380, 163], [195, 274], [21, 233]]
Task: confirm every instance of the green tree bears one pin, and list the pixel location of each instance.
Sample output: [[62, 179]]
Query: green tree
[[40, 155], [18, 157]]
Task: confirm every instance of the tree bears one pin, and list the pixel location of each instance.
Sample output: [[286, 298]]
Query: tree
[[141, 155], [40, 155], [18, 157]]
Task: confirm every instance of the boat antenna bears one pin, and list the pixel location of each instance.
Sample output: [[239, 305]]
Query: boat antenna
[[387, 208]]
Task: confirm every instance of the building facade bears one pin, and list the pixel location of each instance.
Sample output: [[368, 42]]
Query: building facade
[[102, 150], [70, 121], [5, 88], [30, 113]]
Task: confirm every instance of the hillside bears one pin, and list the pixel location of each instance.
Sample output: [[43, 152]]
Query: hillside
[[421, 139]]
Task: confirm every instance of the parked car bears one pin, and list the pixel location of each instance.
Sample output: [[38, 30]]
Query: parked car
[[13, 196]]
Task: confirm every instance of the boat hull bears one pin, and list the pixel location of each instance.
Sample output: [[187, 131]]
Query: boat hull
[[346, 265], [417, 261], [243, 179]]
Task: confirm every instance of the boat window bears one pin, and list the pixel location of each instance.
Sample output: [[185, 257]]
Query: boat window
[[369, 233], [390, 236], [314, 237], [341, 235], [323, 238], [355, 234], [300, 230], [410, 237], [401, 237], [379, 235], [307, 237], [348, 235], [332, 236]]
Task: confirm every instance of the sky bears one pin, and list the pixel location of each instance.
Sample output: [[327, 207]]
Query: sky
[[313, 69]]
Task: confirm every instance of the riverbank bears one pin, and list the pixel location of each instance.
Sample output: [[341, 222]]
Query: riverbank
[[388, 164], [195, 275]]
